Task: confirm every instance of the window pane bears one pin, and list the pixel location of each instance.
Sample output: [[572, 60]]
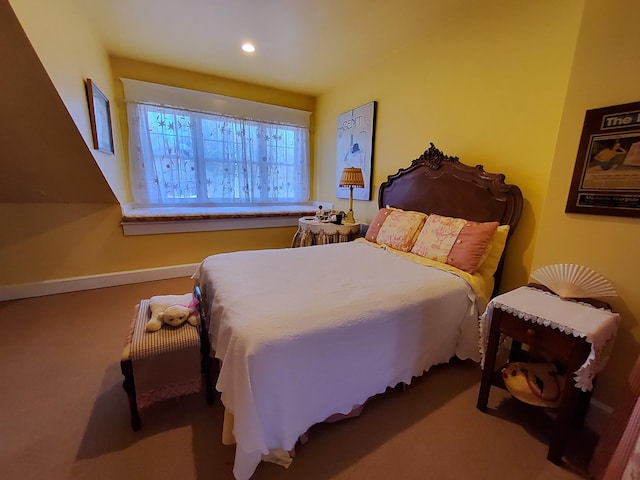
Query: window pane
[[172, 146], [215, 159]]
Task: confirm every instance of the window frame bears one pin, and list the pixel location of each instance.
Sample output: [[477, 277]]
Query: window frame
[[140, 219]]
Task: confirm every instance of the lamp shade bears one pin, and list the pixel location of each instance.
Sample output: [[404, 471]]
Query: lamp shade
[[352, 177]]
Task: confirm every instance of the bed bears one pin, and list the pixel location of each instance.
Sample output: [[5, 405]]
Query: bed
[[307, 334]]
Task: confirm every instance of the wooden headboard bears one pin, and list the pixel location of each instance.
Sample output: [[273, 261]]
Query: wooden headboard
[[438, 183]]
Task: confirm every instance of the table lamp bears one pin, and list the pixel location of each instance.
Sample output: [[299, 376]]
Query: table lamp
[[351, 177]]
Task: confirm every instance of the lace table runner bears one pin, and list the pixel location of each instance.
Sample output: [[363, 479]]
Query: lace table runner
[[597, 326]]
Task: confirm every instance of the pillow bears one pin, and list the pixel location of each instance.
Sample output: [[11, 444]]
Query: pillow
[[457, 242], [472, 246], [437, 237], [400, 229], [376, 224], [490, 264]]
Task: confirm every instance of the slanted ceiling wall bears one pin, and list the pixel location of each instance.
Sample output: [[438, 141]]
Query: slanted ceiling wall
[[44, 158]]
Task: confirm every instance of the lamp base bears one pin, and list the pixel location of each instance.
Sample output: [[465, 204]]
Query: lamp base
[[349, 218]]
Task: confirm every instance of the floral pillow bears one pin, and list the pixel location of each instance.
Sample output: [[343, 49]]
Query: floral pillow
[[400, 228], [455, 241]]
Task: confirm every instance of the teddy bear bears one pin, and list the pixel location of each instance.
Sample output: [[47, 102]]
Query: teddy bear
[[173, 310]]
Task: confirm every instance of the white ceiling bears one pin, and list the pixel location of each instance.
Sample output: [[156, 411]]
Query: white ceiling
[[306, 46]]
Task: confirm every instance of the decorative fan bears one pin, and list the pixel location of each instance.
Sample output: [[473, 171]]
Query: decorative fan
[[574, 281]]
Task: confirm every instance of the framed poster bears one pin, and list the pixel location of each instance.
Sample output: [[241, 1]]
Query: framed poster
[[606, 177], [356, 130], [100, 118]]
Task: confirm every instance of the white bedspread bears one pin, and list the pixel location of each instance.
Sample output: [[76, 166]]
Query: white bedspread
[[309, 332]]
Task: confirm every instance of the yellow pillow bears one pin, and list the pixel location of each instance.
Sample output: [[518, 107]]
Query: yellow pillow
[[490, 264], [400, 229]]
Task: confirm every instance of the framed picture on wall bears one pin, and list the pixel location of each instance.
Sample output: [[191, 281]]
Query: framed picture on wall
[[355, 136], [100, 118], [606, 176]]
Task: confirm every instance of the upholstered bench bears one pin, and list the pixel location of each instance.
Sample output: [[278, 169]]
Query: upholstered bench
[[164, 364]]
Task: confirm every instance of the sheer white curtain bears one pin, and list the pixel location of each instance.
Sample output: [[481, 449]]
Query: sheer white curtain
[[185, 157]]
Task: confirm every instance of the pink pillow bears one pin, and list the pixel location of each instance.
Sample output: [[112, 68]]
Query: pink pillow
[[400, 229], [457, 242], [376, 224], [472, 246]]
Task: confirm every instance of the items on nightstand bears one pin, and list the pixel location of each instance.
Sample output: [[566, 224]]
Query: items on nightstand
[[576, 336], [313, 232]]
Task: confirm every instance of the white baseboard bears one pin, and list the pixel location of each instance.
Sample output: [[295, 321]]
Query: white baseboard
[[65, 285]]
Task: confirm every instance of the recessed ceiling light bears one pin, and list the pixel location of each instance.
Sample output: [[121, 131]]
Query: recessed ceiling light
[[248, 47]]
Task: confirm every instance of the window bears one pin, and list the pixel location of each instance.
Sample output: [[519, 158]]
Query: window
[[184, 156]]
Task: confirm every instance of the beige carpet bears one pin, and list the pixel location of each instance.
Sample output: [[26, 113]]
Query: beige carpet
[[64, 415]]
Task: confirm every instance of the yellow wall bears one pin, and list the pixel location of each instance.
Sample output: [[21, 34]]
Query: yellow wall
[[49, 241], [605, 72], [487, 86], [76, 240]]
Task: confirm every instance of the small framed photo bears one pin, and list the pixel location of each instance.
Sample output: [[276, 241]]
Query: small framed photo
[[100, 117]]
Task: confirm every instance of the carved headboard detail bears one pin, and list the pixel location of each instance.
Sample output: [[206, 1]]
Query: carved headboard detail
[[441, 184]]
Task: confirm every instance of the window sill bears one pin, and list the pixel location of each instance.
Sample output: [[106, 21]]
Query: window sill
[[162, 220]]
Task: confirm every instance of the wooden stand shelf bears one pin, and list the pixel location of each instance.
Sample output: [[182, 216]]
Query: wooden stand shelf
[[547, 331]]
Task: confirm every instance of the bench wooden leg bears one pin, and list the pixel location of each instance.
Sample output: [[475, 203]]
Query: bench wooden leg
[[489, 362], [206, 367], [205, 348], [129, 386]]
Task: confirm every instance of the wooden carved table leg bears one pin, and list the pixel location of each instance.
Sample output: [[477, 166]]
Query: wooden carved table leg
[[489, 361], [126, 367], [566, 413]]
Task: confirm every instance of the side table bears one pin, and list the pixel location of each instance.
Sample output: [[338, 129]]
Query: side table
[[312, 232], [576, 335]]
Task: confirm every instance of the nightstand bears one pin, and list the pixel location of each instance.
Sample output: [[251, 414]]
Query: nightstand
[[312, 232], [576, 335]]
